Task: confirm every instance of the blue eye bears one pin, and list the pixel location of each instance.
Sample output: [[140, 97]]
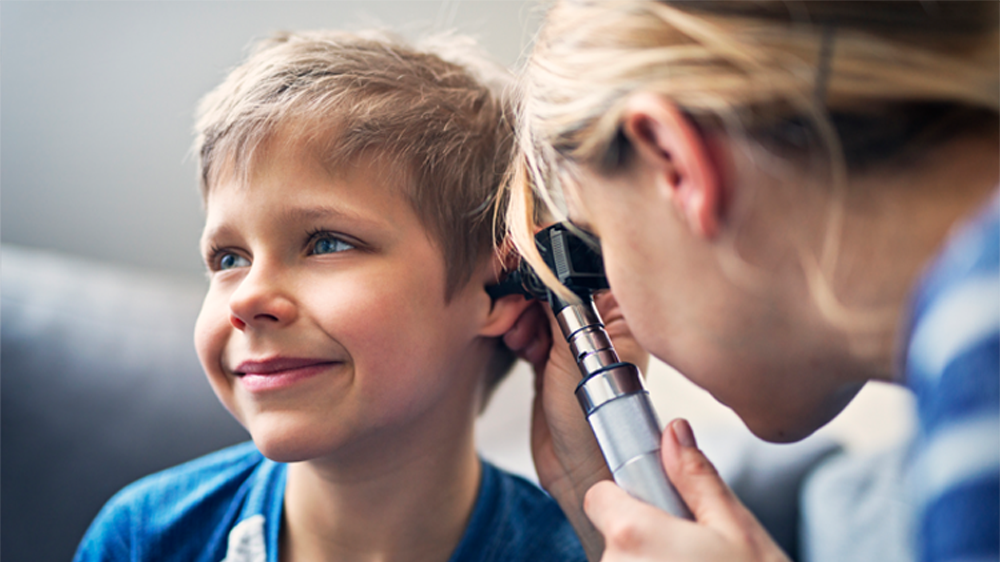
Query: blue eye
[[229, 261], [330, 245]]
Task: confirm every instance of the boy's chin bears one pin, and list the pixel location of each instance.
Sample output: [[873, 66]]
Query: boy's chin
[[282, 451], [290, 444]]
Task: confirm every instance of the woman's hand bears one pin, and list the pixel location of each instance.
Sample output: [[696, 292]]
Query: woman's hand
[[569, 463], [566, 455], [723, 530]]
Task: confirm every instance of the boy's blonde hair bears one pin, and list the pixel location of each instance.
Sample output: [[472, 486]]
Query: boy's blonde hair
[[441, 124], [434, 114]]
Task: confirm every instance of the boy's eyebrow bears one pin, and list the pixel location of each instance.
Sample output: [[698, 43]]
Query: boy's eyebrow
[[302, 214], [322, 212]]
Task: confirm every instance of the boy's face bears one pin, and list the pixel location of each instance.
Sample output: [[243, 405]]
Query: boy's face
[[325, 323]]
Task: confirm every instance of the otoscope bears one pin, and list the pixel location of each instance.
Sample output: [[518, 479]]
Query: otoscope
[[612, 394]]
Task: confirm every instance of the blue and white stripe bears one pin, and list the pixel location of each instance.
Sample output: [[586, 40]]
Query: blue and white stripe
[[953, 367], [966, 316], [964, 452]]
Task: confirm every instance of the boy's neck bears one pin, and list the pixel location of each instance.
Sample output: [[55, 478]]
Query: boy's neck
[[401, 500]]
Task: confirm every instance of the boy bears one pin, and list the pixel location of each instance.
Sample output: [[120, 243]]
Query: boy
[[347, 181]]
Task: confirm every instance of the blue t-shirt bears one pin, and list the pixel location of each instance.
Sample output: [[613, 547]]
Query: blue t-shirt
[[227, 506], [953, 367]]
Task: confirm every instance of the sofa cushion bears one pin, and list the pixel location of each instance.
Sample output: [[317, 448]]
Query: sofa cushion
[[101, 386]]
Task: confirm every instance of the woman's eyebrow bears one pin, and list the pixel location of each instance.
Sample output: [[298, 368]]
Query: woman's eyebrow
[[581, 222]]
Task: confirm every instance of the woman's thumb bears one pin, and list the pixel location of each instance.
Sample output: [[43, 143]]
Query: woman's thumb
[[710, 500]]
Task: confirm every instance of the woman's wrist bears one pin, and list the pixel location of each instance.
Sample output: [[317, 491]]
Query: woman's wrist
[[571, 503], [569, 492]]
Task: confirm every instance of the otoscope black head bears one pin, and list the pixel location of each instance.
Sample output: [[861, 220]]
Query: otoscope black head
[[576, 262]]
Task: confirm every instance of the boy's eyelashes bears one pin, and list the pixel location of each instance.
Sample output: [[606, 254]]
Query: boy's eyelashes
[[230, 260], [318, 242], [220, 259], [325, 242]]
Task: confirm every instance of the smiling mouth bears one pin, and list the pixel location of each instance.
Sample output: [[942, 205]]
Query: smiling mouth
[[273, 374], [279, 366]]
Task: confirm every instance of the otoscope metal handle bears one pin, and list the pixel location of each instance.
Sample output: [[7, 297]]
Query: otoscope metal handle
[[628, 432], [619, 411]]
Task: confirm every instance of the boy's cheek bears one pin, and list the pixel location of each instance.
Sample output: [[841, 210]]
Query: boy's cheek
[[202, 329], [210, 342], [210, 334]]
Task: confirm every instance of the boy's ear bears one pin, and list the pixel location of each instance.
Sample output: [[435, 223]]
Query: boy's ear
[[686, 176], [505, 310], [503, 314]]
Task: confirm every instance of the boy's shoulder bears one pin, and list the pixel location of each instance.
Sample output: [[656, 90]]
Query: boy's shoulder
[[185, 512], [516, 520], [190, 484]]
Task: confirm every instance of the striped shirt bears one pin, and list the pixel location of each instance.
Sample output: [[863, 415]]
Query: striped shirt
[[953, 367]]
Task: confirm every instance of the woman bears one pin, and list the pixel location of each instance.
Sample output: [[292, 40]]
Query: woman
[[792, 198]]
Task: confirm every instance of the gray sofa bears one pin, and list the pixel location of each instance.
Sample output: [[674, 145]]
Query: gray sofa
[[100, 386]]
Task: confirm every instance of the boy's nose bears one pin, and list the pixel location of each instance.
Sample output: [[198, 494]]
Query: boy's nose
[[260, 302]]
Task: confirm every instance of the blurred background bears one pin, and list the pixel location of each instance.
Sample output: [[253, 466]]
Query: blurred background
[[100, 219], [98, 101]]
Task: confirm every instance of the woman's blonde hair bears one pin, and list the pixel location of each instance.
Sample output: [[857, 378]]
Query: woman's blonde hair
[[858, 82]]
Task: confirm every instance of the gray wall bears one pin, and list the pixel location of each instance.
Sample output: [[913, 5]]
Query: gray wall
[[97, 98]]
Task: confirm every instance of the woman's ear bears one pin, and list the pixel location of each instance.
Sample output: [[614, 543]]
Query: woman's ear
[[686, 176]]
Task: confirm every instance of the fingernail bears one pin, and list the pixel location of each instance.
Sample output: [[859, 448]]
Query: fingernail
[[683, 434]]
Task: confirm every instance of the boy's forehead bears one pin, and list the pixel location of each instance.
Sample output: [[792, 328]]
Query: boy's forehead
[[360, 186], [288, 161]]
